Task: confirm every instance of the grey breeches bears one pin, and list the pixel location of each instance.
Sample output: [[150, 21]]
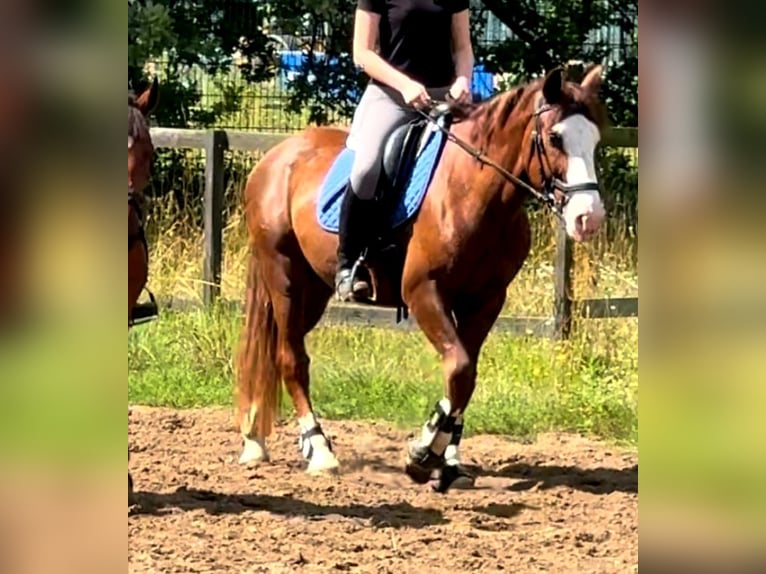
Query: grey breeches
[[379, 113]]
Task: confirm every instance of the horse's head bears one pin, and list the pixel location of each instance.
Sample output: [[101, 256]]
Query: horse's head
[[140, 148], [564, 131]]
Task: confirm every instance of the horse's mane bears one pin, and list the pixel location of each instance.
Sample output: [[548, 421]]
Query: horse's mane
[[493, 114]]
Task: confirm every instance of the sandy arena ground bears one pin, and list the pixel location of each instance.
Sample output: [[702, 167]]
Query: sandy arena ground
[[561, 504]]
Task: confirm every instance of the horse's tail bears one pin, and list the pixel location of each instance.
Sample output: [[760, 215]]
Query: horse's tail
[[259, 383]]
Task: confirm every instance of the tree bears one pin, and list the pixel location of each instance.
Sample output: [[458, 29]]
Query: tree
[[330, 82], [196, 34], [544, 34], [547, 33], [205, 34]]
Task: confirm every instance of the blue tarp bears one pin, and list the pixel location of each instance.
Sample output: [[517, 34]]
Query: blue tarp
[[292, 63]]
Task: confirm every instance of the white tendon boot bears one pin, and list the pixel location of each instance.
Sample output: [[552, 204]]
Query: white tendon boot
[[316, 447]]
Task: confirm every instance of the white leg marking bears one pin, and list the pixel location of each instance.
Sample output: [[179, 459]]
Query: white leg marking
[[452, 455], [253, 451], [253, 448], [452, 458], [323, 460], [452, 452]]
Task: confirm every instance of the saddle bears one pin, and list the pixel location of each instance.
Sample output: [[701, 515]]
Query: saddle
[[402, 148], [410, 156], [401, 152]]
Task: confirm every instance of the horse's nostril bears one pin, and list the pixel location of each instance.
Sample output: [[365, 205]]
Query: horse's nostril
[[588, 222]]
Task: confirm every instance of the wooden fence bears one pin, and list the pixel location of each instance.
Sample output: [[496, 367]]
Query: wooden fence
[[216, 142]]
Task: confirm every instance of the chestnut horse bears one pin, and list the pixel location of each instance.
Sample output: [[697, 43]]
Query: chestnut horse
[[464, 246], [140, 153]]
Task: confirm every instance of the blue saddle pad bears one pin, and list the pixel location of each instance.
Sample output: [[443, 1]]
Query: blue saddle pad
[[409, 201]]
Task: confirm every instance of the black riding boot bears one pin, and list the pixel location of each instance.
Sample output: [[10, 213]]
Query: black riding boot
[[354, 235]]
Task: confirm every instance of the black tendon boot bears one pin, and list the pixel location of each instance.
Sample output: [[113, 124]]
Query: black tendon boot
[[426, 454], [354, 235], [454, 474]]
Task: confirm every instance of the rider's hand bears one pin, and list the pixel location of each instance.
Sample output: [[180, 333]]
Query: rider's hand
[[460, 91], [415, 94]]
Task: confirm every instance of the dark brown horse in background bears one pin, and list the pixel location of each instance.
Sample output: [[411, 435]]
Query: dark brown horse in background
[[466, 244], [140, 153]]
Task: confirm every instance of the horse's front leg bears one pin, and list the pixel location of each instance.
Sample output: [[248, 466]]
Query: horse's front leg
[[475, 317], [442, 431]]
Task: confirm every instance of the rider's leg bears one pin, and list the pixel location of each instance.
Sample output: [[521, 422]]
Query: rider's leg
[[378, 114]]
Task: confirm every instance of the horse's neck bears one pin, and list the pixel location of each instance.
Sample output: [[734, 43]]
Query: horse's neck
[[502, 144]]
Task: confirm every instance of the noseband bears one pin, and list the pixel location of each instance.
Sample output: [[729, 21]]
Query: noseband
[[555, 193]]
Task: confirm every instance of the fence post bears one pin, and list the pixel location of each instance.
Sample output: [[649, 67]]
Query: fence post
[[563, 285], [215, 145]]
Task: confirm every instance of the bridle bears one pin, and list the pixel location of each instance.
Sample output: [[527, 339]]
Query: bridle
[[555, 193], [551, 183]]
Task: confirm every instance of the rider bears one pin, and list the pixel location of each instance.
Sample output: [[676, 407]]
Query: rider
[[413, 50]]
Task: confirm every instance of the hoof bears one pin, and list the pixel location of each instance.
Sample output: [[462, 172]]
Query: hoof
[[323, 461], [421, 463], [418, 474], [253, 452], [454, 476]]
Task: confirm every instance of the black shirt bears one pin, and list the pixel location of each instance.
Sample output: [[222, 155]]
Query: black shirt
[[416, 37]]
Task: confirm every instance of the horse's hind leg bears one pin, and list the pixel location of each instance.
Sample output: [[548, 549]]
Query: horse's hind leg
[[297, 300], [297, 310]]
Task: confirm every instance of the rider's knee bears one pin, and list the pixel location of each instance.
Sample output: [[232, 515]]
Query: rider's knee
[[364, 176]]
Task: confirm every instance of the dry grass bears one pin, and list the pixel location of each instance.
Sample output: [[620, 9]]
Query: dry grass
[[601, 269]]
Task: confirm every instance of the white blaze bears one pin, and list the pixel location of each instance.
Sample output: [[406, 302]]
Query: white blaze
[[584, 212]]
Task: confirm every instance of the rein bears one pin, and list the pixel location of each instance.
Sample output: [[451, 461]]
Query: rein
[[551, 183]]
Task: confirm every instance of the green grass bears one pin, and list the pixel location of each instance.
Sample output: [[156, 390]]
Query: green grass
[[526, 385]]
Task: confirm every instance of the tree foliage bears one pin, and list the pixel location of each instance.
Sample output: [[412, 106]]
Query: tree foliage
[[547, 33], [206, 33], [184, 34]]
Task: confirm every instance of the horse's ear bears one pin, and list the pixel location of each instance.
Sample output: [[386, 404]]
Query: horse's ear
[[147, 101], [553, 85], [592, 80]]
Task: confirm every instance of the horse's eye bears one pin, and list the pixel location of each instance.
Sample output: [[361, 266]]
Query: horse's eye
[[556, 140]]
